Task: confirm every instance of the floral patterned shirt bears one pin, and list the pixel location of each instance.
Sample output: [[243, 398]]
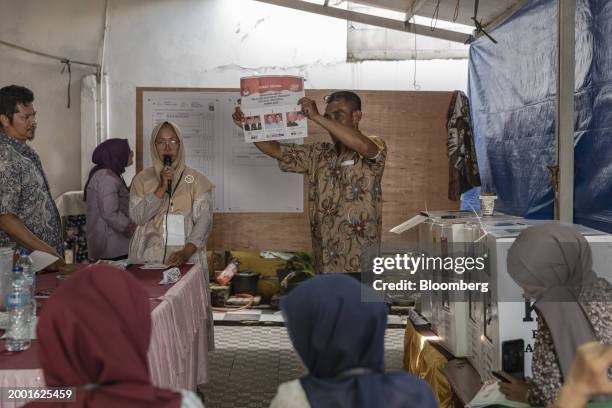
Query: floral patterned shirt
[[344, 201], [24, 192], [547, 377]]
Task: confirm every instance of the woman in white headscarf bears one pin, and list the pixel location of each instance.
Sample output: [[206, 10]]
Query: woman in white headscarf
[[552, 263], [171, 204]]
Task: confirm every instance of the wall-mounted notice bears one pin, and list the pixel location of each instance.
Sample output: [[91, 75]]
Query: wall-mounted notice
[[271, 110], [246, 180]]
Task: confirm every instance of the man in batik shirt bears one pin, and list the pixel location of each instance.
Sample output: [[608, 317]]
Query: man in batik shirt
[[345, 196], [28, 215]]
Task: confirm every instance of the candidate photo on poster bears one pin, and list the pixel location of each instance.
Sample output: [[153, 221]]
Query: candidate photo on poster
[[248, 124], [292, 119], [256, 125], [279, 120]]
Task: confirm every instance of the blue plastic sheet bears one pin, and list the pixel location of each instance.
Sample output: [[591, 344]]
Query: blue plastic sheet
[[512, 88], [470, 200]]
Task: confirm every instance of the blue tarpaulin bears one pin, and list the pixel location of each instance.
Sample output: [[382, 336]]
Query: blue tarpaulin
[[512, 88]]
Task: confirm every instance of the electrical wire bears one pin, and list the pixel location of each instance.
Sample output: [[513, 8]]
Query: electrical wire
[[67, 65], [456, 14], [434, 18], [43, 54], [166, 228], [414, 79], [171, 195], [66, 62], [235, 309]]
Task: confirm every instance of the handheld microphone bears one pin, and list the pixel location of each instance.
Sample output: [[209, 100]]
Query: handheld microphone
[[168, 162]]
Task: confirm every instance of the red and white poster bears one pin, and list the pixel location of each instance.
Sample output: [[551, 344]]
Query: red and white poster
[[271, 110]]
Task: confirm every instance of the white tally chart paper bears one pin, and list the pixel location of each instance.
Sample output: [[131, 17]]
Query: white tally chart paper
[[245, 179], [154, 266]]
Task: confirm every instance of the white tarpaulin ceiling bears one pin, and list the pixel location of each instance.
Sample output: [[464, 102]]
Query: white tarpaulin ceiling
[[489, 13]]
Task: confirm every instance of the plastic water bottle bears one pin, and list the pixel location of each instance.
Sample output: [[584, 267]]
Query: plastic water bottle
[[19, 307], [25, 262], [229, 272]]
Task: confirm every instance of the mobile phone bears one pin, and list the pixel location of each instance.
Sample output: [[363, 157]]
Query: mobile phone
[[513, 358], [500, 377]]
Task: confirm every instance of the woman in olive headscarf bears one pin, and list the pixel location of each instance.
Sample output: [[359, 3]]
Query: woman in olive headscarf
[[552, 263], [171, 205]]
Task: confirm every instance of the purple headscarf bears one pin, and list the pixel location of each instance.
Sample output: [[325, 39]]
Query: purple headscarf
[[112, 154]]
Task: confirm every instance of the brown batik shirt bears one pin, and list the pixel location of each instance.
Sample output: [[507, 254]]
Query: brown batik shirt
[[344, 201]]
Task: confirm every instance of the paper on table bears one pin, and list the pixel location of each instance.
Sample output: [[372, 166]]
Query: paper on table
[[171, 276], [154, 266], [416, 319], [411, 223], [490, 394], [40, 260]]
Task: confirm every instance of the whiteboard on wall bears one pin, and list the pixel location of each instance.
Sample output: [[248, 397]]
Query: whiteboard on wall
[[246, 180]]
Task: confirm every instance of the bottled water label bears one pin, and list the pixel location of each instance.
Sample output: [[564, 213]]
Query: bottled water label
[[17, 299], [19, 307]]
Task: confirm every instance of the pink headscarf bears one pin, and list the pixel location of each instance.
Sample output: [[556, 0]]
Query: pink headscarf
[[94, 335]]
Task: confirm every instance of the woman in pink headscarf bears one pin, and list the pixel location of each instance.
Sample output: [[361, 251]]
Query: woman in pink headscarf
[[93, 335]]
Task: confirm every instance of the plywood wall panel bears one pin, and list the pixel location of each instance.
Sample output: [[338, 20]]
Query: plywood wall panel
[[413, 124]]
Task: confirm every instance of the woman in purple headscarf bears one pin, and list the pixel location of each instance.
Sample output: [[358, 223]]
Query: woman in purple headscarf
[[108, 223]]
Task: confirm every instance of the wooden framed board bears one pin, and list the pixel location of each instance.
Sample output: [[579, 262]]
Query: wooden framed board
[[413, 124]]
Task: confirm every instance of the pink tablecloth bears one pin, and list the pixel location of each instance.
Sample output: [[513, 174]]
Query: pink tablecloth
[[178, 353]]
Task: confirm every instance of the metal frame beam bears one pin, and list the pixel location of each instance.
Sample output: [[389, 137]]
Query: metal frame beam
[[500, 19], [566, 64], [414, 9], [369, 19]]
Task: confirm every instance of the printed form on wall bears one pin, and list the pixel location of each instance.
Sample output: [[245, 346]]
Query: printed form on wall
[[245, 179]]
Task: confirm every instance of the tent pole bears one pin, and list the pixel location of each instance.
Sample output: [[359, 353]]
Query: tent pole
[[566, 64]]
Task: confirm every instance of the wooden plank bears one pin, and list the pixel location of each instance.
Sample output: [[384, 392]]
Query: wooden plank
[[413, 124], [139, 130], [566, 63]]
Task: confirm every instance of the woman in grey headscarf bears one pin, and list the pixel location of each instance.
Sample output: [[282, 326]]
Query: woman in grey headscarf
[[552, 263]]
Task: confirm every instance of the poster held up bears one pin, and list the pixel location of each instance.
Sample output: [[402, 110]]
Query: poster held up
[[271, 110]]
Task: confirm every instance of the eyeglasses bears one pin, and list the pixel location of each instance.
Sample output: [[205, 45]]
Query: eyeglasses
[[167, 143]]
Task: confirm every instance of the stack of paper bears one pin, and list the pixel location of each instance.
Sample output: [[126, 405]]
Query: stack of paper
[[40, 260]]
